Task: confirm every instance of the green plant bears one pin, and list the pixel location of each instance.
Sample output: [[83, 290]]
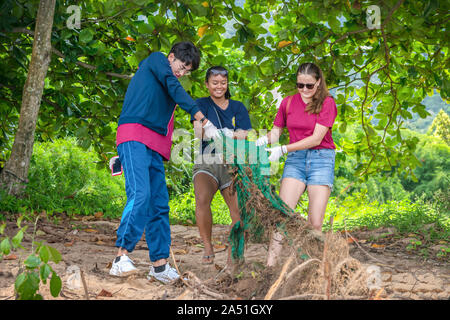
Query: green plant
[[406, 216], [64, 178], [182, 209], [35, 268], [443, 252], [413, 244]]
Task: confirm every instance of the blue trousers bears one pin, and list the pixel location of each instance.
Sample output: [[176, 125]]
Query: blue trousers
[[147, 207]]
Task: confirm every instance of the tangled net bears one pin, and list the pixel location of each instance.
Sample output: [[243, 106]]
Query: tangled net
[[313, 265]]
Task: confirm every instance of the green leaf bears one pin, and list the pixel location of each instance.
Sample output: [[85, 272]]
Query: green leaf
[[44, 254], [44, 272], [256, 19], [17, 239], [19, 281], [5, 246], [55, 285], [86, 35], [55, 256], [228, 43], [27, 285], [146, 28], [141, 2], [32, 261], [186, 83]]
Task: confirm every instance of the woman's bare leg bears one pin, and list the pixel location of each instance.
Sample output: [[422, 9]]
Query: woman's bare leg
[[204, 188], [290, 191], [318, 199], [232, 202]]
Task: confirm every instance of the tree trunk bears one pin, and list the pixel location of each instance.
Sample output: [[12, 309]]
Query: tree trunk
[[15, 173]]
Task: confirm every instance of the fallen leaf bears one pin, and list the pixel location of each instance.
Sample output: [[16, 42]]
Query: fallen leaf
[[69, 244], [12, 256], [350, 240], [100, 242], [90, 230], [40, 233], [378, 246], [220, 247], [104, 293], [98, 215], [179, 251]]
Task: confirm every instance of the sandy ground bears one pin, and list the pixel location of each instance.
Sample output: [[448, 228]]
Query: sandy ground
[[87, 248]]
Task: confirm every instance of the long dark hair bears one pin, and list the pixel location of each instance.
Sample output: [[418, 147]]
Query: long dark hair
[[223, 72], [315, 106]]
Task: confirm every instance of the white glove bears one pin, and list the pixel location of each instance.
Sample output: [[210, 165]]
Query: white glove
[[276, 152], [262, 141], [227, 132], [211, 132]]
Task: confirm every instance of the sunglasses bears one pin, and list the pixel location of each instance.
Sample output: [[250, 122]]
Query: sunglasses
[[308, 85]]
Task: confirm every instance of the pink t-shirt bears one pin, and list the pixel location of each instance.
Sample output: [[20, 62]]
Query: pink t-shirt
[[153, 140], [301, 124]]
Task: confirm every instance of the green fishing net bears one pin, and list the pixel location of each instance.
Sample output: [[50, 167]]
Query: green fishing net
[[257, 200]]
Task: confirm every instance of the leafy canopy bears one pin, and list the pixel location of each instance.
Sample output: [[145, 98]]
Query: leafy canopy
[[379, 77]]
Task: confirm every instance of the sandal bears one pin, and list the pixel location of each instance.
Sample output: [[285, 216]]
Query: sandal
[[206, 259]]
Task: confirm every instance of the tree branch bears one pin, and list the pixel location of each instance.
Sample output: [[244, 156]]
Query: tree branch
[[79, 63]]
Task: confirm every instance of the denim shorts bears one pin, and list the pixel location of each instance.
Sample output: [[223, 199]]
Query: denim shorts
[[311, 166]]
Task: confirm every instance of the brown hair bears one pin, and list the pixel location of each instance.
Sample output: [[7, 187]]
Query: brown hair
[[315, 106]]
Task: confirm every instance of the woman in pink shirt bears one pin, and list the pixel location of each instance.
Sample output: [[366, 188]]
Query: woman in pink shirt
[[309, 116]]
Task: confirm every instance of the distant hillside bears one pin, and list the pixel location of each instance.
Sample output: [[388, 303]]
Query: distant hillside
[[434, 105]]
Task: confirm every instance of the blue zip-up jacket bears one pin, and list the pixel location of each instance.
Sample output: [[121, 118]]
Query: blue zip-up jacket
[[152, 95]]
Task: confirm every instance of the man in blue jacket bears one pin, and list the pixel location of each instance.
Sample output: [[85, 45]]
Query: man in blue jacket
[[144, 140]]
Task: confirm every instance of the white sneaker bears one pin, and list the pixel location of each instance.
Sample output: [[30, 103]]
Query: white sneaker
[[168, 275], [122, 266]]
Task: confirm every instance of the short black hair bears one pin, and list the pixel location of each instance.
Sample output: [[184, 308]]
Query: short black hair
[[188, 53]]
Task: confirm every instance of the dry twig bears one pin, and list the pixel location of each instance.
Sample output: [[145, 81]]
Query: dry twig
[[277, 283]]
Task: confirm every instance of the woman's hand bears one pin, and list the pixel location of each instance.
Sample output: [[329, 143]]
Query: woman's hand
[[227, 132], [262, 141], [211, 132], [276, 152]]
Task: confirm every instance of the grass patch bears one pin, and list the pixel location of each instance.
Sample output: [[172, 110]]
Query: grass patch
[[405, 215], [182, 209], [65, 178]]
